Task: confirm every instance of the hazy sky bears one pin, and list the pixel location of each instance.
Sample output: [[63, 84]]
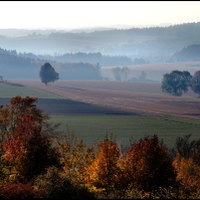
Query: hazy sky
[[79, 14]]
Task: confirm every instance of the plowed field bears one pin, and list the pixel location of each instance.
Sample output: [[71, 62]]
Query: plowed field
[[143, 98]]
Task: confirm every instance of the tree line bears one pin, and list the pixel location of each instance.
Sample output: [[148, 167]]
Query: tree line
[[70, 71], [38, 161], [178, 30], [85, 71]]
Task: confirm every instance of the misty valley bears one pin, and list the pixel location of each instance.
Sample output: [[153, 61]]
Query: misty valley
[[104, 113], [90, 55]]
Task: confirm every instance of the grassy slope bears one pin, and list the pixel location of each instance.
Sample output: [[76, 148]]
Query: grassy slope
[[9, 91], [90, 128]]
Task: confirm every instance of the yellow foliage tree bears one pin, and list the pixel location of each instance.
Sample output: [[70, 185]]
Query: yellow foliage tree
[[75, 157], [188, 175], [104, 170]]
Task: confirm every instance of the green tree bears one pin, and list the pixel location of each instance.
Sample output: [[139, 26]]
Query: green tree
[[195, 82], [176, 82], [48, 74]]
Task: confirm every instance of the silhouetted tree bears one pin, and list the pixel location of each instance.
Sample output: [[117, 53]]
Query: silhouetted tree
[[48, 73], [120, 74], [195, 82], [176, 82], [187, 148]]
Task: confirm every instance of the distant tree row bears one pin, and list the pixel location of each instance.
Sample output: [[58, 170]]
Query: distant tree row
[[178, 82], [92, 58], [178, 30], [70, 71]]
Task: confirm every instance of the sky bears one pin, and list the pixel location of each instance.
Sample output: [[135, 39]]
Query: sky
[[67, 15]]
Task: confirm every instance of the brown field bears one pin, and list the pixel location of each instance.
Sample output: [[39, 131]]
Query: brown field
[[143, 98]]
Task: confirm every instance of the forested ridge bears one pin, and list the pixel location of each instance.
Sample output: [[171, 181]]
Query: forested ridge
[[153, 44]]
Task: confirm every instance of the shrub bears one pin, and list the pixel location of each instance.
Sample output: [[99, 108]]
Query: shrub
[[18, 191], [54, 185]]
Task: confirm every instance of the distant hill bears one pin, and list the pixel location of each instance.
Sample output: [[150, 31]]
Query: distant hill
[[153, 44], [189, 53]]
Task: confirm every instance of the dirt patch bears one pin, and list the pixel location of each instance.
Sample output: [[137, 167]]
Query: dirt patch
[[143, 98]]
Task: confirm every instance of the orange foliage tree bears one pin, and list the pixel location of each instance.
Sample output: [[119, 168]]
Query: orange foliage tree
[[74, 156], [104, 170], [18, 106], [23, 127], [28, 151], [188, 175], [148, 166]]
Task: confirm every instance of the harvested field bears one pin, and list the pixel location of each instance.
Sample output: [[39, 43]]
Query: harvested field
[[143, 98]]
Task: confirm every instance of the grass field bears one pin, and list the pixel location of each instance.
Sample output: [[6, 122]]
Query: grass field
[[90, 128], [12, 90]]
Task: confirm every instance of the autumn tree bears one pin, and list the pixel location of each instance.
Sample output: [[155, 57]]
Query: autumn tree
[[103, 172], [75, 157], [12, 190], [53, 184], [147, 166], [48, 73], [9, 115], [28, 151], [23, 125], [188, 177], [18, 106]]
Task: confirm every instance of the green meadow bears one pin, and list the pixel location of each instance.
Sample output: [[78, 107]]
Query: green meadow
[[91, 128], [10, 91]]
